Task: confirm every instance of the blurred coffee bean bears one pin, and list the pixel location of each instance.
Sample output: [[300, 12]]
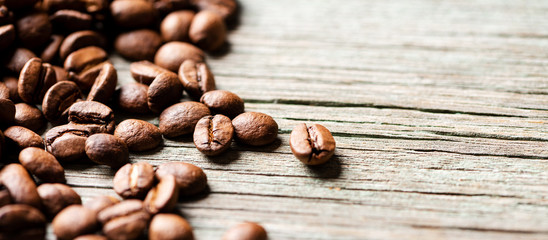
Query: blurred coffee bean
[[145, 72], [7, 112], [15, 59], [162, 197], [227, 9], [172, 54], [51, 51], [138, 44], [169, 226], [133, 13], [33, 29], [99, 203], [165, 90], [55, 197], [11, 83], [190, 178], [20, 185], [20, 221], [42, 164], [207, 30], [73, 221], [246, 231], [68, 20], [79, 40], [4, 91], [7, 36], [175, 26]]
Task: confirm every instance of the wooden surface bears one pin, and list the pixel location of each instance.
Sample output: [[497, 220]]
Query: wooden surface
[[439, 110]]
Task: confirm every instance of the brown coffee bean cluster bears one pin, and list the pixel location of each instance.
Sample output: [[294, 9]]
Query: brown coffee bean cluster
[[54, 53]]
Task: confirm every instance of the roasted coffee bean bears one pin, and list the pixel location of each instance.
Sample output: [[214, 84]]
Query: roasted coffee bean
[[105, 84], [246, 231], [138, 44], [312, 145], [7, 112], [145, 72], [20, 221], [196, 78], [20, 185], [165, 7], [175, 26], [181, 118], [33, 29], [51, 51], [107, 149], [227, 9], [68, 20], [255, 129], [73, 221], [190, 178], [125, 220], [11, 83], [7, 36], [29, 116], [42, 165], [17, 58], [133, 14], [55, 5], [139, 135], [169, 226], [18, 4], [84, 58], [213, 135], [92, 113], [86, 79], [162, 197], [60, 73], [99, 203], [207, 30], [133, 98], [165, 90], [23, 137], [5, 197], [35, 79], [4, 91], [91, 237], [79, 40], [172, 54], [223, 102], [134, 180], [55, 197], [67, 142], [58, 100]]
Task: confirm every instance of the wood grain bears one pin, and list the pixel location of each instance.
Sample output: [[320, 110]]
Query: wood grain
[[439, 110]]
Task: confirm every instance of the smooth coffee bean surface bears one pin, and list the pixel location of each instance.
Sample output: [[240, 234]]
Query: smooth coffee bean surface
[[17, 58], [11, 84], [246, 231], [312, 144], [42, 164], [175, 26], [223, 102], [58, 100], [134, 180], [181, 118], [145, 71], [33, 29], [105, 84], [99, 203], [79, 40], [162, 197], [84, 58], [92, 113], [73, 221], [213, 134], [133, 14], [255, 129], [20, 221], [165, 90], [169, 226], [7, 112], [125, 220], [138, 44], [190, 178], [172, 54], [51, 51], [207, 30], [139, 135], [35, 79], [227, 9], [20, 185], [55, 197], [132, 98], [107, 149], [196, 78], [29, 116], [67, 142], [23, 137], [68, 20]]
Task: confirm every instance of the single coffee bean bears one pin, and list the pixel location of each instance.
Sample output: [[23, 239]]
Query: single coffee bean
[[227, 9], [196, 78], [11, 83], [7, 112], [20, 221], [92, 113], [73, 221], [23, 137], [223, 102], [51, 51], [17, 58], [139, 135], [175, 26], [312, 145], [165, 90], [162, 197], [79, 40], [190, 178], [133, 14], [20, 185], [7, 36], [246, 231], [145, 72], [134, 180], [42, 165], [207, 30], [138, 44], [29, 116], [105, 84], [55, 197], [125, 220], [172, 54], [91, 237], [4, 91], [181, 118], [68, 20], [169, 226], [67, 142], [86, 79], [60, 73], [84, 58], [33, 29], [35, 79], [255, 129], [99, 203], [107, 149], [133, 98], [58, 100], [5, 198], [213, 135]]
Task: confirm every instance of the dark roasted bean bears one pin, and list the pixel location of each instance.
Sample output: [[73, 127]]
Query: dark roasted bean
[[181, 118], [73, 221], [163, 197], [107, 149], [255, 129], [51, 51], [196, 78], [79, 40], [20, 221], [165, 90], [42, 165], [35, 79], [172, 54], [139, 135], [133, 14], [55, 197], [223, 102], [86, 79], [246, 231], [17, 58], [138, 44], [207, 30], [169, 226], [67, 142], [23, 137], [134, 180], [29, 116], [190, 178], [175, 26], [125, 220], [145, 72], [11, 83], [312, 145], [58, 100], [20, 185], [105, 84], [7, 112], [84, 58], [33, 29], [133, 98], [92, 113], [68, 20], [213, 135], [91, 237]]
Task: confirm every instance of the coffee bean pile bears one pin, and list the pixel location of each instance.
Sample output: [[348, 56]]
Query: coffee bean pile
[[54, 53]]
